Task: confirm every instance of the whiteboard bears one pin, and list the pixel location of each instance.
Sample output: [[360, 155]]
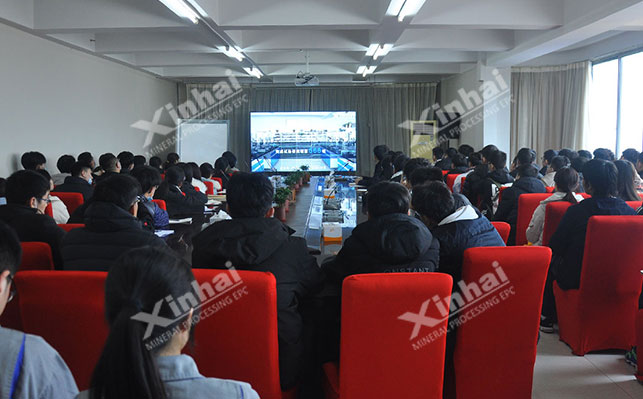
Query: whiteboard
[[201, 140]]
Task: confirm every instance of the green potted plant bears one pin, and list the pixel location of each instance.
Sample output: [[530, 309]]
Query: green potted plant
[[291, 182], [305, 169], [281, 198]]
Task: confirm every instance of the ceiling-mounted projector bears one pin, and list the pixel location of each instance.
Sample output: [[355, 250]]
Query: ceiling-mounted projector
[[306, 79]]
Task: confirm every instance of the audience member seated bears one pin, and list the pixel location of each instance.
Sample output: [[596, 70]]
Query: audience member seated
[[33, 160], [148, 211], [27, 197], [157, 163], [380, 152], [604, 154], [585, 154], [527, 183], [172, 159], [196, 177], [444, 160], [232, 161], [254, 240], [80, 181], [547, 158], [137, 362], [426, 175], [111, 227], [3, 190], [566, 184], [221, 170], [109, 166], [398, 164], [473, 186], [31, 368], [631, 154], [556, 164], [64, 165], [410, 167], [188, 188], [473, 161], [569, 153], [177, 201], [487, 191], [88, 159], [568, 242], [139, 160], [206, 174], [126, 160], [526, 156], [459, 165], [58, 208], [628, 181], [466, 150]]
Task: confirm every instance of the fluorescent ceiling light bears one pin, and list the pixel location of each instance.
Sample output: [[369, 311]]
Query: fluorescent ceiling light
[[411, 7], [382, 50], [180, 8], [372, 49], [369, 70], [253, 72], [395, 7], [232, 52]]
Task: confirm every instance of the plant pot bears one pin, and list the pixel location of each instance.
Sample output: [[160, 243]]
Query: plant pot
[[280, 213], [301, 181], [287, 206]]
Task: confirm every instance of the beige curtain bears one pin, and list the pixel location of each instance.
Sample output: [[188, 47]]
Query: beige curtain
[[380, 111], [550, 107]]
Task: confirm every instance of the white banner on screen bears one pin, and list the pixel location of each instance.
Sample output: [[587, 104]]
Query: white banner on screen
[[202, 140]]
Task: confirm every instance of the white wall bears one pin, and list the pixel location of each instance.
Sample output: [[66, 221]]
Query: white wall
[[472, 129], [57, 100]]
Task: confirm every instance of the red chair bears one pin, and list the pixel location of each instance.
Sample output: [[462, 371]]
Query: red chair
[[67, 310], [218, 179], [240, 340], [445, 172], [600, 315], [554, 213], [500, 193], [162, 176], [197, 189], [639, 343], [451, 180], [550, 190], [503, 229], [49, 210], [527, 204], [161, 204], [387, 350], [210, 187], [36, 256], [70, 226], [500, 340], [635, 204], [71, 200]]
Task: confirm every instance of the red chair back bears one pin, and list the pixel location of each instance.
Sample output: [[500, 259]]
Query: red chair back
[[49, 210], [161, 204], [67, 310], [512, 280], [500, 191], [554, 213], [218, 179], [445, 172], [451, 180], [585, 195], [239, 340], [210, 187], [70, 226], [600, 315], [71, 200], [503, 229], [197, 189], [527, 204], [384, 313], [635, 204], [550, 189], [36, 256]]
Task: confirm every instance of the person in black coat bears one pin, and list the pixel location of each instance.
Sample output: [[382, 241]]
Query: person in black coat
[[380, 152], [221, 168], [254, 240], [423, 176], [27, 194], [483, 192], [527, 183], [568, 241], [110, 165], [80, 181], [180, 198], [110, 227]]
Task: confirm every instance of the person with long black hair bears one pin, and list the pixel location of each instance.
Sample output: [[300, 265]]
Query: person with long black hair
[[627, 181], [134, 364]]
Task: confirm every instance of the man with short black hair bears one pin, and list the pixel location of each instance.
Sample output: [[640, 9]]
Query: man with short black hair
[[178, 201], [604, 154], [410, 167], [254, 240], [80, 181], [139, 160], [466, 150], [547, 157], [88, 159], [156, 163], [64, 165], [379, 152], [152, 216], [31, 368], [33, 160], [232, 161], [111, 227], [427, 175], [126, 160], [27, 197], [110, 165]]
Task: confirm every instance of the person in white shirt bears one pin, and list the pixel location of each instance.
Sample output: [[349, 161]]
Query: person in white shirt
[[64, 165], [566, 183], [197, 178], [556, 164], [60, 211]]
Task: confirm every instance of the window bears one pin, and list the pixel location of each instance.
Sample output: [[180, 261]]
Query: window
[[616, 104]]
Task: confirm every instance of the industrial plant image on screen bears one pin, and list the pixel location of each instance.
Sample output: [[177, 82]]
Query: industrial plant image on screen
[[285, 141]]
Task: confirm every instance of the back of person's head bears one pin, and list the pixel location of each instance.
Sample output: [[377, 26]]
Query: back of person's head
[[559, 162], [138, 282], [147, 176], [196, 171], [232, 159], [139, 160], [631, 154], [438, 153], [380, 151], [459, 160], [78, 168], [604, 154], [475, 159], [156, 162], [626, 181], [175, 176], [498, 159], [187, 171], [549, 155], [387, 167], [249, 195], [569, 153], [65, 163], [108, 162], [424, 175], [526, 156], [45, 174], [585, 154], [433, 202], [206, 170], [86, 157], [451, 152], [24, 185], [172, 158], [10, 251], [120, 190], [413, 164], [600, 178], [567, 181], [221, 164], [399, 162], [386, 198], [33, 160], [126, 159], [527, 171], [487, 151], [578, 164], [466, 150]]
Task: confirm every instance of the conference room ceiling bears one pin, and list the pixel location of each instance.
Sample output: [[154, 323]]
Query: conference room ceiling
[[443, 38]]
